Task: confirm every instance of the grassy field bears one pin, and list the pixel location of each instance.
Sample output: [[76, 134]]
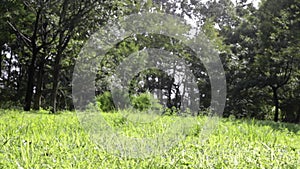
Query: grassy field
[[40, 140]]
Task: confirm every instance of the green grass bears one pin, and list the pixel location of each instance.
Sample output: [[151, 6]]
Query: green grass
[[40, 140]]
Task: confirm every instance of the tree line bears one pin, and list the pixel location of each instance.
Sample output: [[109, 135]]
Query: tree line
[[258, 47]]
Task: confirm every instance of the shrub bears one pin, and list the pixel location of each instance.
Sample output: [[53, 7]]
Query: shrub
[[141, 102], [145, 101], [105, 102]]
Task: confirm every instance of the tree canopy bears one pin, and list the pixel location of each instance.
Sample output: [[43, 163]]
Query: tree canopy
[[258, 47]]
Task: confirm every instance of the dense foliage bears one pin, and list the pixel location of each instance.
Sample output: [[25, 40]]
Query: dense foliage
[[259, 48]]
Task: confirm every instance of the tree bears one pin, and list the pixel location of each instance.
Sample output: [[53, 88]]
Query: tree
[[47, 29], [279, 40]]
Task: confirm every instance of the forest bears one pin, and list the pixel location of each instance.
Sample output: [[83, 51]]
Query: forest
[[222, 75], [258, 47]]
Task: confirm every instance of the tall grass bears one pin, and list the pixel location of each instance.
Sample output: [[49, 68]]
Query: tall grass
[[39, 140]]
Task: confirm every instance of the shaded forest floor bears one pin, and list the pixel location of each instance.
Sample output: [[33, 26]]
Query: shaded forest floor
[[40, 140]]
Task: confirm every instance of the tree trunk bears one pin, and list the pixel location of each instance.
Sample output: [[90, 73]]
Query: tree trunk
[[55, 82], [30, 82], [31, 69], [169, 101], [0, 65], [276, 103], [38, 94]]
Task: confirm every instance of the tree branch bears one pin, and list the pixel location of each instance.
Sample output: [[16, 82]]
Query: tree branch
[[25, 39]]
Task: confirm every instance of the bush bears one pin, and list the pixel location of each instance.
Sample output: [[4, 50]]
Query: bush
[[105, 102], [141, 102], [145, 101], [10, 105]]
